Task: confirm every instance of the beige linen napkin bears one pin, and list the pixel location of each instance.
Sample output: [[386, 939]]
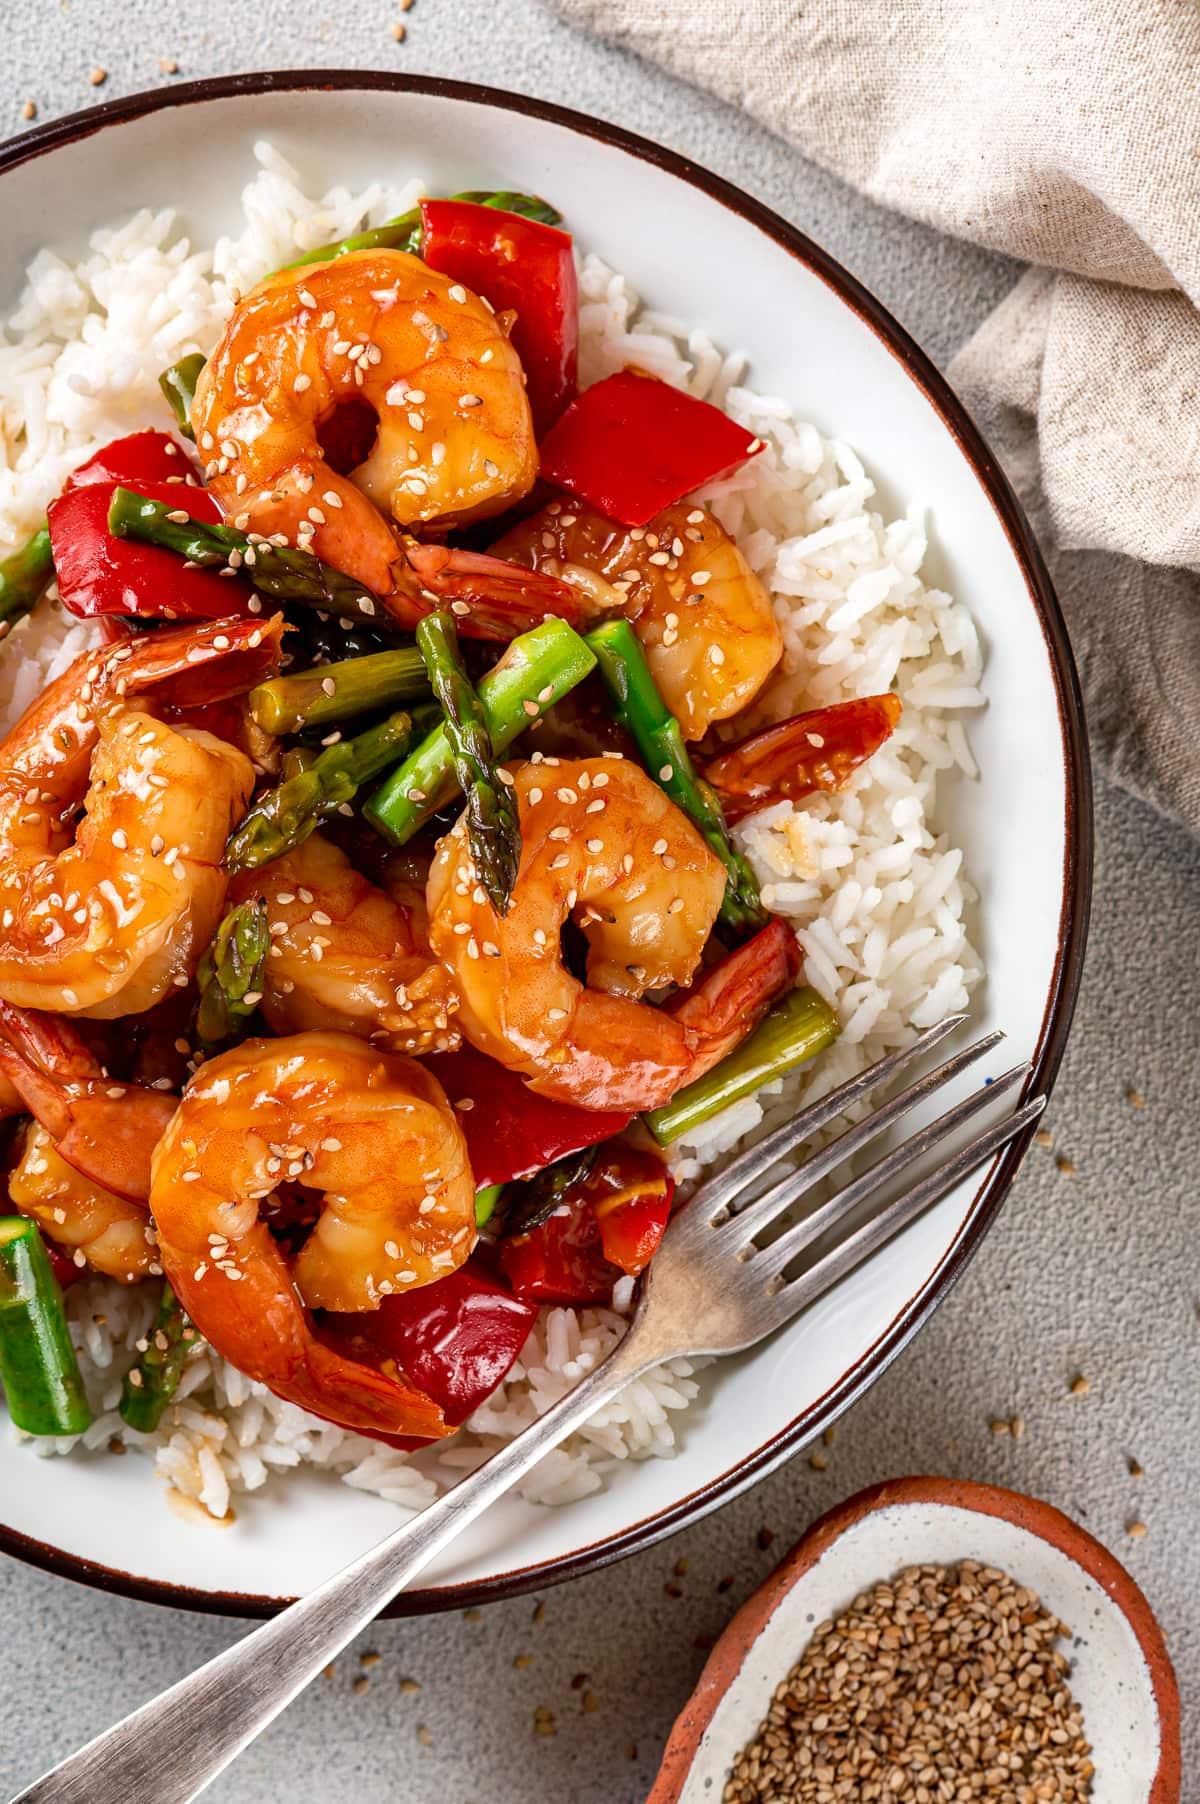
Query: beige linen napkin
[[1065, 133]]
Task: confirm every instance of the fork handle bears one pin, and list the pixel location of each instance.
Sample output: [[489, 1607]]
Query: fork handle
[[171, 1748]]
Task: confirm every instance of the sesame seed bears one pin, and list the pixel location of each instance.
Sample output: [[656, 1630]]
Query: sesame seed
[[457, 293], [666, 773], [470, 400], [301, 383]]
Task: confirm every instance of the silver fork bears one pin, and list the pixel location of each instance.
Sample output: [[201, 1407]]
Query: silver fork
[[712, 1289]]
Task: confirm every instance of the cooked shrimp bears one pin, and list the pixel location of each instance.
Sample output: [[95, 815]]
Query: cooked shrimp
[[370, 1130], [454, 442], [105, 917], [602, 845], [705, 620], [345, 955], [106, 1131], [109, 1233]]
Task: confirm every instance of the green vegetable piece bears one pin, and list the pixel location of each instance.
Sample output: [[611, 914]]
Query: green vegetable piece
[[178, 385], [535, 1201], [655, 731], [284, 574], [38, 1367], [486, 1202], [24, 579], [313, 788], [493, 825], [797, 1029], [230, 973], [538, 668], [148, 1386], [403, 233], [330, 692]]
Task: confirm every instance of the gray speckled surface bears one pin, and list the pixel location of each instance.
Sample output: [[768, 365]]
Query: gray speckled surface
[[1092, 1273]]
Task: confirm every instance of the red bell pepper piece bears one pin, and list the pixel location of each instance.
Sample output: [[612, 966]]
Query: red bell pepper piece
[[510, 1132], [561, 1262], [100, 575], [62, 1265], [818, 750], [519, 264], [632, 445], [630, 1195], [456, 1339], [608, 1225]]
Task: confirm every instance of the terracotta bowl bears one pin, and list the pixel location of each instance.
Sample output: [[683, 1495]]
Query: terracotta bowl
[[1120, 1671]]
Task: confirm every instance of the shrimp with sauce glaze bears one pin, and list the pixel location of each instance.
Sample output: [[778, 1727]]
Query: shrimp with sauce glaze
[[372, 1132], [704, 619], [105, 916], [345, 955], [454, 443], [603, 846], [83, 1169]]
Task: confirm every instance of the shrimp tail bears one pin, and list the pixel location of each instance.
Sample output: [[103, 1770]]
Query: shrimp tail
[[384, 1406], [259, 1322], [733, 997], [203, 664], [500, 599], [105, 1131]]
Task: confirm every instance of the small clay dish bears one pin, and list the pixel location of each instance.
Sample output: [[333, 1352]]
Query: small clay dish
[[1121, 1675]]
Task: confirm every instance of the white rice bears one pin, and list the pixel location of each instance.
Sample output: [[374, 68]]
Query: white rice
[[877, 893]]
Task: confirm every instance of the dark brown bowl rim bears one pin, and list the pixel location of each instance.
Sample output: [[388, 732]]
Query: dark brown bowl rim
[[1051, 1525], [1077, 859]]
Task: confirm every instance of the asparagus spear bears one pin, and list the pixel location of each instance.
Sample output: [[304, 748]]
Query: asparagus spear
[[230, 973], [285, 816], [659, 739], [178, 385], [24, 578], [149, 1385], [286, 575], [329, 692], [404, 232], [537, 670], [798, 1028], [493, 824], [37, 1361]]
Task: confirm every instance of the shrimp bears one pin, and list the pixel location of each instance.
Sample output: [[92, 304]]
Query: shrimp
[[454, 441], [370, 1130], [109, 1233], [345, 955], [107, 917], [106, 1131], [602, 845], [703, 617]]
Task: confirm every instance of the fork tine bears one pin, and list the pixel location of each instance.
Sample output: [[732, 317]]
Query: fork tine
[[791, 1298], [713, 1196], [772, 1260], [757, 1215]]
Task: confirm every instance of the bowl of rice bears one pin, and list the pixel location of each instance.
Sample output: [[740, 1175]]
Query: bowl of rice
[[952, 875]]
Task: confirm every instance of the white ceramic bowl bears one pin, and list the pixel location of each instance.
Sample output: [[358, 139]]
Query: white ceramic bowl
[[1121, 1675], [701, 249]]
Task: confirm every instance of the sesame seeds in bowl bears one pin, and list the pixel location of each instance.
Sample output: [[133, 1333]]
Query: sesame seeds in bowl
[[933, 1639]]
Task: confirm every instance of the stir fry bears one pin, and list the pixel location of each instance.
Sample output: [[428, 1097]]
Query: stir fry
[[370, 919]]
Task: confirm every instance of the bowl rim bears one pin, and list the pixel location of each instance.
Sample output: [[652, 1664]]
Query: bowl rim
[[1036, 1517], [1078, 827]]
